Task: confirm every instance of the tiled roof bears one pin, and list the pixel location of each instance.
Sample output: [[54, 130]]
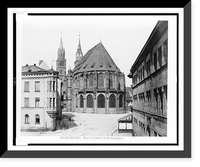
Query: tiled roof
[[97, 59], [30, 69]]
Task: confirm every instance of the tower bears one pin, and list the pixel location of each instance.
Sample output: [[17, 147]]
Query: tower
[[79, 53], [61, 61]]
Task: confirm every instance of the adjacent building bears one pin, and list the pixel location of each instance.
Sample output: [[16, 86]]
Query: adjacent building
[[40, 97], [96, 84], [149, 84]]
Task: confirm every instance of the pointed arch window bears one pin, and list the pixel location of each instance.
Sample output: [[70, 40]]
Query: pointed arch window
[[101, 101], [81, 101], [90, 102], [90, 80], [100, 81], [120, 101], [111, 81], [37, 119], [112, 101]]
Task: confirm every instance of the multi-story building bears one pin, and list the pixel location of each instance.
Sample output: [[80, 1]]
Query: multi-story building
[[40, 98], [149, 84]]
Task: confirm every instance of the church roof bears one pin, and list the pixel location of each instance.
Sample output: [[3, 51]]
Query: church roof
[[96, 59]]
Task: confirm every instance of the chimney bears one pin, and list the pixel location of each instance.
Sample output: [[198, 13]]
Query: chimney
[[40, 61]]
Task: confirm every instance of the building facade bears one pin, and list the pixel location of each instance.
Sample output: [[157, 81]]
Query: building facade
[[40, 100], [149, 84], [96, 84]]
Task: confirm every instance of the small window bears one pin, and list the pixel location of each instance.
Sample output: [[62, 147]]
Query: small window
[[26, 102], [37, 119], [148, 69], [54, 86], [37, 102], [85, 66], [26, 86], [50, 101], [53, 102], [37, 86], [26, 119], [92, 65]]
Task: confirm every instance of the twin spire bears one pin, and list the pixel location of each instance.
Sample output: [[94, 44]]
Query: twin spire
[[79, 53]]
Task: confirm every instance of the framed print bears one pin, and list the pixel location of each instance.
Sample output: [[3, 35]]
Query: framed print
[[99, 82]]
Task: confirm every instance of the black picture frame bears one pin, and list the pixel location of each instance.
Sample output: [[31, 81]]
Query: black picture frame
[[188, 116]]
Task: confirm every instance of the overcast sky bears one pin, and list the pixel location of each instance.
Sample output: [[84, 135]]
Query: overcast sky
[[122, 36]]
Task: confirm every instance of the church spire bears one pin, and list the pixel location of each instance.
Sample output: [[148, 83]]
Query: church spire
[[79, 53], [79, 44], [61, 42], [61, 61]]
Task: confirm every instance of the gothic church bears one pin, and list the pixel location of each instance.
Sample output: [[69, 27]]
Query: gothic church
[[95, 85]]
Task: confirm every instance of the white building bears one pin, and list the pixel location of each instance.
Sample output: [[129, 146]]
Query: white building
[[40, 100]]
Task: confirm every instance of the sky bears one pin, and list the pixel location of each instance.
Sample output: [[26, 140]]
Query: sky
[[122, 36]]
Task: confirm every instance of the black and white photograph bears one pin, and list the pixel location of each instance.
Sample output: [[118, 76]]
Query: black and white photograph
[[94, 76], [96, 79]]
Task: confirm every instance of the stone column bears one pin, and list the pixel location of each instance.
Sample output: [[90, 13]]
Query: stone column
[[78, 101], [84, 103], [95, 80], [95, 101], [106, 103], [117, 103]]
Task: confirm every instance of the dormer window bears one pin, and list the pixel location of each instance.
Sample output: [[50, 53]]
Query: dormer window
[[85, 66], [92, 65]]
